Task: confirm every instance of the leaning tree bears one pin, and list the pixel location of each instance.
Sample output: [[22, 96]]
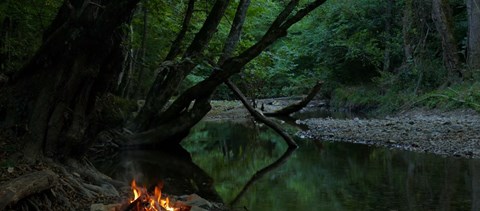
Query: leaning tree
[[58, 94]]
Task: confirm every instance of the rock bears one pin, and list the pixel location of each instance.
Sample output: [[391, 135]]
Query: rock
[[102, 207], [391, 142], [450, 134], [196, 202]]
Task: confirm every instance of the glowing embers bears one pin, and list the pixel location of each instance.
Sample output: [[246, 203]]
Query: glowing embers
[[143, 200]]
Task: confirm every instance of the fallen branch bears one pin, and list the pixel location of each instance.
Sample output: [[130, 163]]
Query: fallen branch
[[260, 117], [298, 105], [23, 186]]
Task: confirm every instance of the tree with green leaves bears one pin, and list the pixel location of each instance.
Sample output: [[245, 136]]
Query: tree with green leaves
[[59, 93]]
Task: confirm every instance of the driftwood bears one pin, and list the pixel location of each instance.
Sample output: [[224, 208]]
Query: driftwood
[[260, 117], [298, 105], [23, 186]]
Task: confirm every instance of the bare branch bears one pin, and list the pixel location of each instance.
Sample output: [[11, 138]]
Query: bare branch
[[176, 44], [235, 30], [203, 37]]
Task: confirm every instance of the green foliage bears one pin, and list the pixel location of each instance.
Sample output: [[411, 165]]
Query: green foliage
[[355, 98], [21, 27], [466, 95], [320, 175]]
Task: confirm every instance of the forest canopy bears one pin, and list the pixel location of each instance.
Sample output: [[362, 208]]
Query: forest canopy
[[135, 74]]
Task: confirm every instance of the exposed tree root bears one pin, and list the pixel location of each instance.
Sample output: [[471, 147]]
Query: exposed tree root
[[71, 185]]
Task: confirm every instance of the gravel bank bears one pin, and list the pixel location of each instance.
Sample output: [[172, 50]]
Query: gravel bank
[[454, 133]]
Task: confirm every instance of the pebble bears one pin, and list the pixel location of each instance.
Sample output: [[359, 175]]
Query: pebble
[[450, 134]]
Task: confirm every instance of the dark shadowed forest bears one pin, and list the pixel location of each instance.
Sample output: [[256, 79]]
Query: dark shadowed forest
[[199, 104]]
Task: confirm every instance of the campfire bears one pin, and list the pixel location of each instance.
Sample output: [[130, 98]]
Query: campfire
[[145, 200], [151, 199]]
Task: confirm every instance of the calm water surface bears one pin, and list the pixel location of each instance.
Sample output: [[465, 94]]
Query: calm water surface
[[328, 176]]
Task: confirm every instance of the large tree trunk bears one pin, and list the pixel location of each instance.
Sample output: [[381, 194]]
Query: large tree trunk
[[55, 93], [171, 73], [473, 50], [159, 123], [442, 17]]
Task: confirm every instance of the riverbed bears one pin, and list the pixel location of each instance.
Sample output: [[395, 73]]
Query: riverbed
[[327, 175]]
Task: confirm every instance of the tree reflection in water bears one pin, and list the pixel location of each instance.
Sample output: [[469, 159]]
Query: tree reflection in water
[[328, 176]]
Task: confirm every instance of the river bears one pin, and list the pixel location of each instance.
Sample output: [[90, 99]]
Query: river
[[224, 156], [329, 176]]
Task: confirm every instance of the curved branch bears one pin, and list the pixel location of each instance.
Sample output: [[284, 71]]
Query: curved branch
[[235, 30], [175, 49], [298, 105], [203, 37], [291, 143]]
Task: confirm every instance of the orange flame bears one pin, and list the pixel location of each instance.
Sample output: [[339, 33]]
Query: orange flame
[[148, 202]]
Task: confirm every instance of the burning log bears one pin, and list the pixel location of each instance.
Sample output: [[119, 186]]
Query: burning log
[[25, 185], [152, 200], [145, 200]]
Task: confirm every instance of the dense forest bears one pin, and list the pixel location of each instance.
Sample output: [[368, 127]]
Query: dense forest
[[136, 74]]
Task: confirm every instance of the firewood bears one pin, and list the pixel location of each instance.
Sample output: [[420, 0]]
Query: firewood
[[16, 189]]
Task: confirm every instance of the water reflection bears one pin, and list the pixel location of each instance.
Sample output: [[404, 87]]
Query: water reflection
[[329, 176], [173, 167]]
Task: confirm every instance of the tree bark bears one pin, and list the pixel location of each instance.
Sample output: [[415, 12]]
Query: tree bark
[[171, 73], [473, 48], [138, 93], [55, 93], [388, 34], [26, 185], [161, 120], [406, 29], [235, 31], [230, 45], [125, 77], [442, 16], [177, 43]]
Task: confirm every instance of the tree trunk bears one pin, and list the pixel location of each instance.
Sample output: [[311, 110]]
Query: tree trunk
[[177, 43], [193, 104], [473, 49], [138, 92], [4, 32], [388, 34], [125, 77], [171, 73], [442, 17], [55, 93], [407, 23]]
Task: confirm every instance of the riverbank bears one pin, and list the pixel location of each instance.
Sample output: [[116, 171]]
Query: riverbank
[[453, 133]]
